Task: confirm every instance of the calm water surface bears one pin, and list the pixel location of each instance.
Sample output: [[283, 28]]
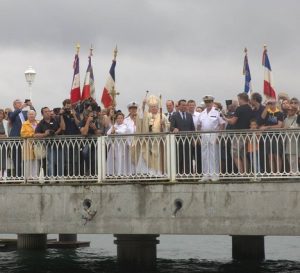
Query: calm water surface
[[175, 254]]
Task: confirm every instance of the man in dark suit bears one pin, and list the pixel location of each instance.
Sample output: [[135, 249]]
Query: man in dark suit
[[16, 119], [170, 109], [182, 121]]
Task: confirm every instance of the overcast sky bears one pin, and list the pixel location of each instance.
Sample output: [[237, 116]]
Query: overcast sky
[[177, 48]]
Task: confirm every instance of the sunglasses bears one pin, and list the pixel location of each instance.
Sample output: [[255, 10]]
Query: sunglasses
[[208, 101]]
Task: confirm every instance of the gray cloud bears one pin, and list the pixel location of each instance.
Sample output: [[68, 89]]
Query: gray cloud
[[178, 48]]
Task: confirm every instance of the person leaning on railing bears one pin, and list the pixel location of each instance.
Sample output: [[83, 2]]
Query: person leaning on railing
[[88, 128], [48, 128], [116, 155], [3, 150], [273, 119], [210, 120], [69, 121], [292, 141], [241, 121], [182, 121], [28, 131]]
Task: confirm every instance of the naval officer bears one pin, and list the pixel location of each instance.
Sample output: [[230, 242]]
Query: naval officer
[[209, 121]]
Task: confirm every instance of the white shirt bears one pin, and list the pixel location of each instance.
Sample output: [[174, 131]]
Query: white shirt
[[169, 114], [130, 125], [196, 116], [119, 128], [210, 121]]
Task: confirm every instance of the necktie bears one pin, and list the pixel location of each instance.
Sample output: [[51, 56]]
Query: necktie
[[183, 114]]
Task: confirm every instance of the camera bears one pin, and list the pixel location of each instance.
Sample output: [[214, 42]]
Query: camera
[[51, 132], [67, 112], [228, 102]]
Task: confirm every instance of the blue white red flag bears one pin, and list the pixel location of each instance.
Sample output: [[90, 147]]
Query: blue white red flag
[[75, 89], [269, 90], [110, 83], [246, 72], [88, 90]]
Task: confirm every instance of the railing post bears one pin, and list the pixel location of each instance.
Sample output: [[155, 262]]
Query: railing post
[[99, 159], [254, 156], [171, 157]]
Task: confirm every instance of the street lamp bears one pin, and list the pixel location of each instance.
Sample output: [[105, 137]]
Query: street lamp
[[29, 76]]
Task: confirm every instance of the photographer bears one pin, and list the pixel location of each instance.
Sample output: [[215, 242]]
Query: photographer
[[48, 128], [69, 121], [88, 128]]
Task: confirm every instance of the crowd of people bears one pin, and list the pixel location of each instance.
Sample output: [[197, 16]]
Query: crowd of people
[[206, 154]]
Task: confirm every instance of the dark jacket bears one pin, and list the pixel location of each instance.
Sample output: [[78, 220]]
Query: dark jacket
[[16, 123], [182, 125]]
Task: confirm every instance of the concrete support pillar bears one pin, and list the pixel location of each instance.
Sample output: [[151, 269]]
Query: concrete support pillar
[[136, 252], [32, 241], [248, 247], [67, 237]]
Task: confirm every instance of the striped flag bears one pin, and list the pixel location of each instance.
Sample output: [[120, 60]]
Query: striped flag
[[88, 90], [75, 90], [246, 72], [269, 90], [110, 83]]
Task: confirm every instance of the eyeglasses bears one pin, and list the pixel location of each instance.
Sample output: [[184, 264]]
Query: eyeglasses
[[294, 102]]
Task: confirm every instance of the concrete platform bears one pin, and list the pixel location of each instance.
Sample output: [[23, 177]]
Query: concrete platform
[[11, 244]]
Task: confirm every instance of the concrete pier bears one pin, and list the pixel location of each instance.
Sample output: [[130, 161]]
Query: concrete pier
[[248, 248], [32, 241], [135, 252], [71, 237]]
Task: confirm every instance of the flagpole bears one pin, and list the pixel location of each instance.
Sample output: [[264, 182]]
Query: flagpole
[[91, 50], [115, 53]]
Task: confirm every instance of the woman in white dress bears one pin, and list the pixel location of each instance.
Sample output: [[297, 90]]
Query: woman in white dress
[[116, 156]]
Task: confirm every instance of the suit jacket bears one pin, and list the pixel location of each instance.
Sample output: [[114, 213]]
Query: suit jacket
[[167, 115], [16, 123], [182, 125]]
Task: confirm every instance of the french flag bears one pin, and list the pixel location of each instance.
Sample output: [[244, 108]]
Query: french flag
[[269, 90], [75, 90], [88, 90], [110, 83]]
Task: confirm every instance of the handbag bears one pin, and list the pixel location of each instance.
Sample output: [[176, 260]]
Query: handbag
[[39, 151]]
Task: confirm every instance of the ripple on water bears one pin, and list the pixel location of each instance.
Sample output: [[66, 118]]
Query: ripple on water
[[89, 260]]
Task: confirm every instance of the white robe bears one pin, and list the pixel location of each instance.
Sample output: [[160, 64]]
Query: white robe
[[116, 156]]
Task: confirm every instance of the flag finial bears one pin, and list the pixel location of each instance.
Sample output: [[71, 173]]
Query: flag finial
[[265, 47], [245, 50], [115, 52], [91, 50], [77, 48]]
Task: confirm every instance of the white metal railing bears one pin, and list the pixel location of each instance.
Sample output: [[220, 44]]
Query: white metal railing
[[252, 155]]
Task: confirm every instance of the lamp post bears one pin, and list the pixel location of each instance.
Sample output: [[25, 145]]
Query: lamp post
[[29, 76]]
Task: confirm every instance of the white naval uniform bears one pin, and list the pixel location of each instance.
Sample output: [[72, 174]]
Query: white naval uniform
[[131, 130], [116, 155], [196, 116], [209, 147]]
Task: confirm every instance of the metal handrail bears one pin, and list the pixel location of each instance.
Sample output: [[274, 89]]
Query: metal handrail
[[153, 157]]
